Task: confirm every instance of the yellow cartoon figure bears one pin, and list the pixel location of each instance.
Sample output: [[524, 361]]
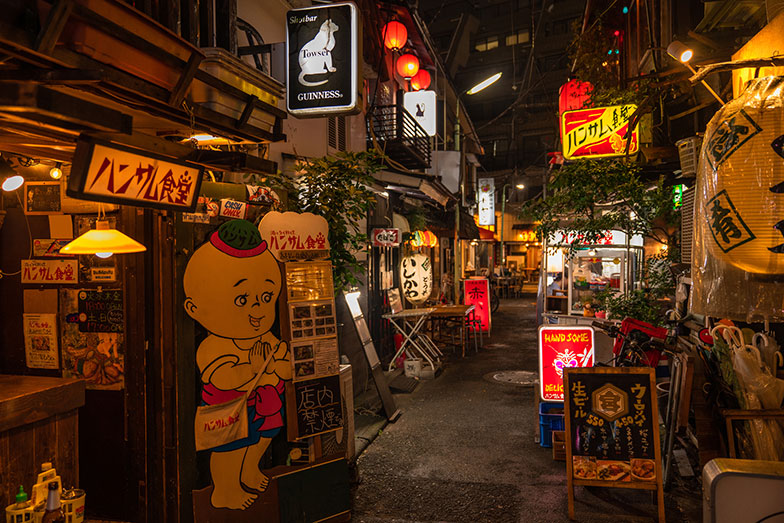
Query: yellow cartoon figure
[[232, 283]]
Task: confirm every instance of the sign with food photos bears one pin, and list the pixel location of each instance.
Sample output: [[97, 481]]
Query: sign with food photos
[[612, 430]]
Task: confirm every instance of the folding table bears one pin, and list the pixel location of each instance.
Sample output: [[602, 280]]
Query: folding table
[[409, 322]]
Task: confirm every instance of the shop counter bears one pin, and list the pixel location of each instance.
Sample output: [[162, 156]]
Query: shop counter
[[38, 423]]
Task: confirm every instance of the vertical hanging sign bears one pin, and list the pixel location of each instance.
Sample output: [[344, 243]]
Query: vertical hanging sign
[[322, 60], [486, 201]]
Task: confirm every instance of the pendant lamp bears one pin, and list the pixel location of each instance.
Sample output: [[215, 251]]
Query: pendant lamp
[[395, 35], [407, 65], [103, 241], [421, 80]]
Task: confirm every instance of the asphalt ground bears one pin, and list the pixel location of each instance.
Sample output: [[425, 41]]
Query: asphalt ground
[[465, 450]]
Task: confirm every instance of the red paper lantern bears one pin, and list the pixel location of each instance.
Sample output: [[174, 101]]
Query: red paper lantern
[[395, 35], [407, 65], [421, 80], [574, 94]]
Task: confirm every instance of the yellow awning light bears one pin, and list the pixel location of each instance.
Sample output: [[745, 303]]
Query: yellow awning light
[[103, 241]]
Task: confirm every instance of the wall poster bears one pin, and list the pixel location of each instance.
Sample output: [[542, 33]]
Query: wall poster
[[96, 357], [315, 358], [612, 430], [40, 335]]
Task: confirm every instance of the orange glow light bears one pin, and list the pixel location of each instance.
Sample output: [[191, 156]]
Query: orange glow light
[[395, 35], [407, 65], [421, 80]]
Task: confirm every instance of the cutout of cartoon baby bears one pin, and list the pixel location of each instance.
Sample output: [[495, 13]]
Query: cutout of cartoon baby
[[232, 283]]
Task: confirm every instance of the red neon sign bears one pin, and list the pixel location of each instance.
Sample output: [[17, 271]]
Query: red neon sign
[[476, 292], [559, 348]]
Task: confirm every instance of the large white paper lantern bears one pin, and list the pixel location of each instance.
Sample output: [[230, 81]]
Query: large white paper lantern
[[416, 278]]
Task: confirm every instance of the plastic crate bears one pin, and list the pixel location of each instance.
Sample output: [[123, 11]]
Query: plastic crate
[[549, 421]]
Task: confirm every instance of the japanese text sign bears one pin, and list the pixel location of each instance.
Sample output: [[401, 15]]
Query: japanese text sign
[[598, 132], [118, 174], [561, 347], [416, 278], [40, 334], [486, 201], [385, 237], [101, 311], [293, 236], [477, 293], [50, 271], [317, 406], [612, 425]]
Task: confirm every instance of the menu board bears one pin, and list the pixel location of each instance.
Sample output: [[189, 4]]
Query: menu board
[[561, 347], [101, 311], [315, 358], [42, 197], [317, 407], [312, 319], [309, 281], [612, 429]]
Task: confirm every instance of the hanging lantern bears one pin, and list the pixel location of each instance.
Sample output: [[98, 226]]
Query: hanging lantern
[[421, 80], [416, 278], [395, 35], [407, 65], [740, 193], [574, 94]]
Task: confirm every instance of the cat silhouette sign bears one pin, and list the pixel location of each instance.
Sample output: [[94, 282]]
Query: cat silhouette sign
[[322, 60]]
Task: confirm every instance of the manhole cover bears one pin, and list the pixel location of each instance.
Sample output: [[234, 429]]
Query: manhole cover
[[492, 346], [516, 377]]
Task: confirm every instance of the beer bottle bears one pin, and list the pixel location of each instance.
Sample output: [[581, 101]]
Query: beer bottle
[[54, 511]]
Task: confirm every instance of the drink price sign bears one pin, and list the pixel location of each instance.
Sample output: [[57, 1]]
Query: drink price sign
[[612, 430], [562, 347]]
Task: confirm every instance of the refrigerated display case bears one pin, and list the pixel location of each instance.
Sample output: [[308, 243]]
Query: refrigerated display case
[[590, 273]]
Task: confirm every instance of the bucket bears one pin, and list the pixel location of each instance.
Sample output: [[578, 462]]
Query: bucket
[[73, 505]]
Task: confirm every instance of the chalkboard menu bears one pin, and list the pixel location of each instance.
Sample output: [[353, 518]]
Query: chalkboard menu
[[317, 407], [612, 430], [42, 197], [101, 311]]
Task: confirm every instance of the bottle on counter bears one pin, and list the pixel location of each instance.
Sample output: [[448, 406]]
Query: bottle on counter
[[22, 510], [54, 510]]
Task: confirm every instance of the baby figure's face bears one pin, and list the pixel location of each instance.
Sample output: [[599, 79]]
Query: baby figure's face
[[232, 297]]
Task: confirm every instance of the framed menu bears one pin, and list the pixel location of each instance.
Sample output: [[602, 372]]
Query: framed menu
[[612, 430], [43, 197]]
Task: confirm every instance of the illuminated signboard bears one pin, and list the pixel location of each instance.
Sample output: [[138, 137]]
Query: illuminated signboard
[[322, 61], [677, 196], [477, 293], [598, 132], [560, 348], [422, 106], [113, 173], [613, 237], [385, 237], [486, 201]]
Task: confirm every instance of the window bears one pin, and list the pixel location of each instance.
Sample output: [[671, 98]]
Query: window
[[336, 132], [485, 44], [521, 37]]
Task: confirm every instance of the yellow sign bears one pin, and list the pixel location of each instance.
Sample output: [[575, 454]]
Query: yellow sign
[[598, 132]]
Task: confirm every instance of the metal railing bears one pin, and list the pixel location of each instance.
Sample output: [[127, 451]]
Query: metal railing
[[399, 135]]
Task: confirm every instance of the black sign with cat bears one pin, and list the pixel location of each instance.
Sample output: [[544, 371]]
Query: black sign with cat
[[322, 57]]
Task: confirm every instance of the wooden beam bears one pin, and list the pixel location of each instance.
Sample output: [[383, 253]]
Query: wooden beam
[[178, 93], [52, 76], [773, 61], [53, 27]]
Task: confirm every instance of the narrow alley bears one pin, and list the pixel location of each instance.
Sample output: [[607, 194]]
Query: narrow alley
[[464, 448]]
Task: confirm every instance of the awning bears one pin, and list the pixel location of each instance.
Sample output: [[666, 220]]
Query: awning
[[424, 187], [486, 234]]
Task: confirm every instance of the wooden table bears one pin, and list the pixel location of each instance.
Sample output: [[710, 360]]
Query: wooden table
[[38, 423], [454, 313]]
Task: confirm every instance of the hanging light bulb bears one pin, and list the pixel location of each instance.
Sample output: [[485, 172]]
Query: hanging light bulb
[[12, 180], [56, 172], [103, 241], [407, 65], [395, 35], [421, 80]]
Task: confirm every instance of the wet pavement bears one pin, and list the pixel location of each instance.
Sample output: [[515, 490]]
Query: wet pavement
[[465, 448]]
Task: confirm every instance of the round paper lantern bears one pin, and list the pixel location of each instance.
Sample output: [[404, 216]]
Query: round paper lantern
[[421, 80], [416, 278], [395, 35], [740, 189], [574, 94], [407, 65]]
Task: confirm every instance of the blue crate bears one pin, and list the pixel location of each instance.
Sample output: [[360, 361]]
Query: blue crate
[[549, 422]]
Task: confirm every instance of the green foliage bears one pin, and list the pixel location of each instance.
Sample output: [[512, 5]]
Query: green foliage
[[336, 187], [635, 304], [586, 198]]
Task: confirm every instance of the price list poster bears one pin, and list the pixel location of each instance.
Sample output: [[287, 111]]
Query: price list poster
[[612, 430]]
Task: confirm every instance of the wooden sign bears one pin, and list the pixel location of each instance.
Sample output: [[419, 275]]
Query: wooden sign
[[315, 407], [50, 271], [113, 173], [612, 430], [101, 311], [293, 236], [43, 197], [561, 347], [385, 237]]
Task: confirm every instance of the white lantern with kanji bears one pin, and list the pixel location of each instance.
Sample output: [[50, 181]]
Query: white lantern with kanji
[[416, 278]]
